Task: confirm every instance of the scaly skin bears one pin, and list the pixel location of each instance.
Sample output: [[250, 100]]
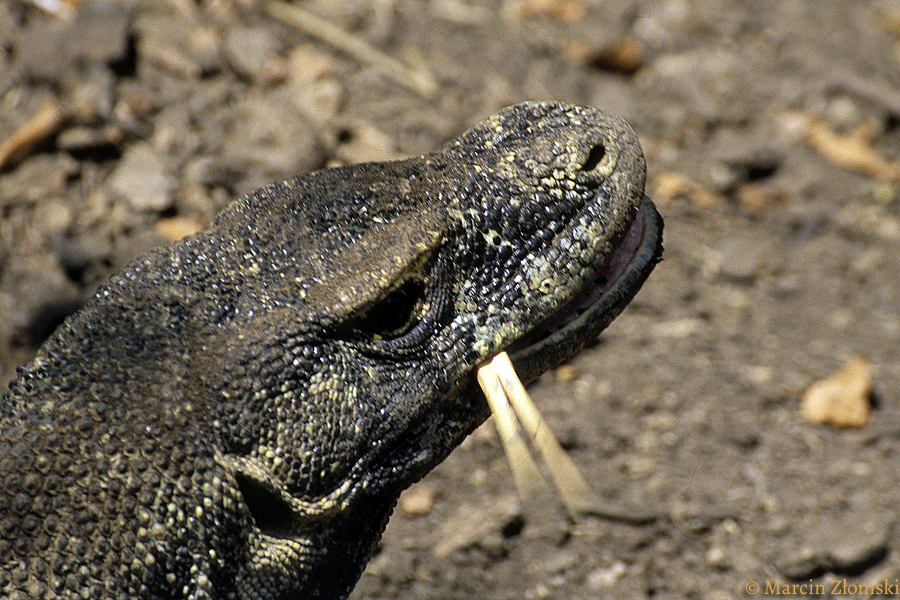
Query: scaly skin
[[234, 416]]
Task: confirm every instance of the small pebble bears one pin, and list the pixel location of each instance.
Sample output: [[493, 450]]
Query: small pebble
[[248, 49], [141, 179], [841, 400], [567, 373], [417, 502], [606, 577]]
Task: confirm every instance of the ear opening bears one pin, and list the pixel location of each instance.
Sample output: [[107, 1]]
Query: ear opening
[[271, 513]]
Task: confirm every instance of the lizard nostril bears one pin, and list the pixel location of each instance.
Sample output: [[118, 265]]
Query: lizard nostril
[[594, 158]]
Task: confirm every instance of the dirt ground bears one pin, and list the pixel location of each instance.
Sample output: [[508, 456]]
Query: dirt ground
[[772, 131]]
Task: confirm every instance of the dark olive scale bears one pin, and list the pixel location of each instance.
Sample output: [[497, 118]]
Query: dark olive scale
[[234, 416]]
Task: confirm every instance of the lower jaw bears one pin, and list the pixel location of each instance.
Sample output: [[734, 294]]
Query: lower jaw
[[564, 335]]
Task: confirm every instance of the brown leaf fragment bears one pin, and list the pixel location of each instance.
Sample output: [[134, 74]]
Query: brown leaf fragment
[[841, 400], [42, 124], [474, 523], [852, 150], [566, 373], [564, 10], [757, 198], [670, 184], [624, 56]]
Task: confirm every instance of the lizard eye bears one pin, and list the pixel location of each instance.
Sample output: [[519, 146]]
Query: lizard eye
[[396, 313]]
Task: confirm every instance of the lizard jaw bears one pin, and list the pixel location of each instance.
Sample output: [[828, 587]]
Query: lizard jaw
[[549, 344], [589, 311]]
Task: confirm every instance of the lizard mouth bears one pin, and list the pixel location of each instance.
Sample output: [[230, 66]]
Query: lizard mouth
[[418, 447], [545, 346], [564, 333]]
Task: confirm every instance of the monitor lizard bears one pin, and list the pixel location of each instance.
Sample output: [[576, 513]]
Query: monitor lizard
[[235, 415]]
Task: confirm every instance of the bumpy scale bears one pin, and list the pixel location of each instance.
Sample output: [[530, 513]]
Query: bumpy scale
[[234, 416]]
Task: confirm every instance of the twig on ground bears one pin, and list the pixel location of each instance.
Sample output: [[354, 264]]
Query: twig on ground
[[417, 80], [42, 124]]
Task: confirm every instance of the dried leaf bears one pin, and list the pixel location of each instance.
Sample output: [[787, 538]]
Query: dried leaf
[[625, 56], [757, 198], [564, 10], [851, 150], [670, 184]]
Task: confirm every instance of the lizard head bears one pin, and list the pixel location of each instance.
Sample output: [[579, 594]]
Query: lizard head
[[236, 415], [528, 233]]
